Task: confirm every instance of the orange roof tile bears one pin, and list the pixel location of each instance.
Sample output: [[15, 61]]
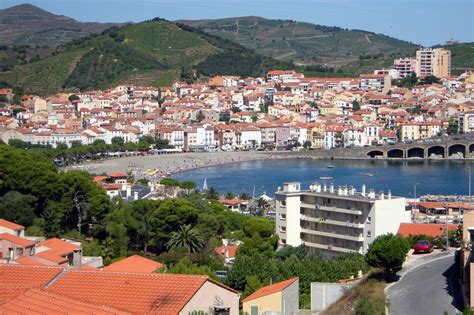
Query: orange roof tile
[[59, 246], [36, 301], [16, 279], [134, 263], [270, 289], [134, 292], [28, 261], [52, 256], [231, 251], [11, 225], [16, 240], [430, 229]]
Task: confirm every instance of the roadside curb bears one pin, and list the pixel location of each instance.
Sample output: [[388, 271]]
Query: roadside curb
[[405, 271]]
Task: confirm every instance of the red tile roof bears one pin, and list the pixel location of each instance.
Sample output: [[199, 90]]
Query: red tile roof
[[231, 251], [270, 289], [28, 261], [133, 292], [16, 279], [36, 301], [60, 247], [11, 225], [16, 240], [52, 256], [430, 229], [135, 263]]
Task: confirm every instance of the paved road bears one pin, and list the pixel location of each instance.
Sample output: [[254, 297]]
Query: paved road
[[428, 287]]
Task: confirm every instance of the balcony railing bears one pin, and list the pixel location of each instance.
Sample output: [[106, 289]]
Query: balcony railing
[[359, 238], [323, 220], [331, 247], [332, 209]]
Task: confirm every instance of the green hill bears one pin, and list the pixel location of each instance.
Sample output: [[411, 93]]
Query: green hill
[[148, 53], [304, 43], [26, 24], [462, 57]]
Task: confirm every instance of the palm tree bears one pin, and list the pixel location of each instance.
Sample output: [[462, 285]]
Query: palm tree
[[186, 237], [212, 193], [229, 196], [244, 196], [262, 203]]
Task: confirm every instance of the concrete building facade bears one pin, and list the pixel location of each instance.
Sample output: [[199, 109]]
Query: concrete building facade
[[435, 62], [335, 221]]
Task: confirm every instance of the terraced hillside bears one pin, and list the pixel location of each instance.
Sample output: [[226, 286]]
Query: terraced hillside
[[462, 56], [27, 24], [148, 53], [301, 42]]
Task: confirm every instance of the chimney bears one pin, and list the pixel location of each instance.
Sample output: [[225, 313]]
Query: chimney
[[345, 191], [389, 194], [363, 190], [331, 188], [325, 188], [339, 191], [135, 195], [129, 191], [382, 195], [318, 187], [371, 194], [77, 258], [351, 190]]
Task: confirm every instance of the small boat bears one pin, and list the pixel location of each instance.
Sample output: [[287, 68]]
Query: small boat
[[330, 166], [369, 174], [326, 178]]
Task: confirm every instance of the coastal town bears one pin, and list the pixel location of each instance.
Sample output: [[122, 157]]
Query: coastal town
[[236, 166], [284, 110]]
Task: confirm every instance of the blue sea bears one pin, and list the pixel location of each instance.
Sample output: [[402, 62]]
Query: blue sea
[[430, 177]]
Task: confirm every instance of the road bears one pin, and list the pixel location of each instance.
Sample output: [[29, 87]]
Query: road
[[429, 286]]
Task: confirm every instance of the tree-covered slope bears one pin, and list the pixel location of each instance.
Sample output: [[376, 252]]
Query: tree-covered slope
[[303, 42], [153, 52]]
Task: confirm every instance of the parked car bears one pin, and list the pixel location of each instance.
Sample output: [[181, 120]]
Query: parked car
[[423, 246]]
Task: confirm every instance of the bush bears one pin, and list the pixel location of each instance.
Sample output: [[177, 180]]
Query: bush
[[388, 251]]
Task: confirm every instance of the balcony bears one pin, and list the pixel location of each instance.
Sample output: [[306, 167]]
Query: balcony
[[331, 247], [359, 238], [340, 210], [333, 222]]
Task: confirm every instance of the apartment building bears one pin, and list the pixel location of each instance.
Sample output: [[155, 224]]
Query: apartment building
[[466, 122], [404, 66], [375, 82], [335, 221], [435, 62]]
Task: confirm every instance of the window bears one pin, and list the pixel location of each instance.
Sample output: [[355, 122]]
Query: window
[[282, 216], [369, 220], [254, 310], [369, 234], [221, 310]]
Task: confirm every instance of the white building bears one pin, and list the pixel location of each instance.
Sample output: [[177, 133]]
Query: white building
[[354, 137], [335, 221], [404, 66]]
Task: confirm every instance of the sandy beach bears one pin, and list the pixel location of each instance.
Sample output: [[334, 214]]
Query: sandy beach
[[173, 163]]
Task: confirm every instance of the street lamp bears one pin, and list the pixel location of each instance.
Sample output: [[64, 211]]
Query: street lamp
[[416, 204]]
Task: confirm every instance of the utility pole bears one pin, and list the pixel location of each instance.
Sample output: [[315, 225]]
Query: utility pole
[[470, 195], [446, 223]]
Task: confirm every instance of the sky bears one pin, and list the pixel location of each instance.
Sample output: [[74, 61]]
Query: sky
[[424, 22]]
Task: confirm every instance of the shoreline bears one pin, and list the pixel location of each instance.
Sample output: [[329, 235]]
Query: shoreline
[[170, 164]]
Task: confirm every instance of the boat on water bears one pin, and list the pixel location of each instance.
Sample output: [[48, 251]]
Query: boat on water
[[330, 166], [326, 178], [369, 174]]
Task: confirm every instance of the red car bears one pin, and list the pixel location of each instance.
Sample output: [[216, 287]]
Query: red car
[[423, 247]]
